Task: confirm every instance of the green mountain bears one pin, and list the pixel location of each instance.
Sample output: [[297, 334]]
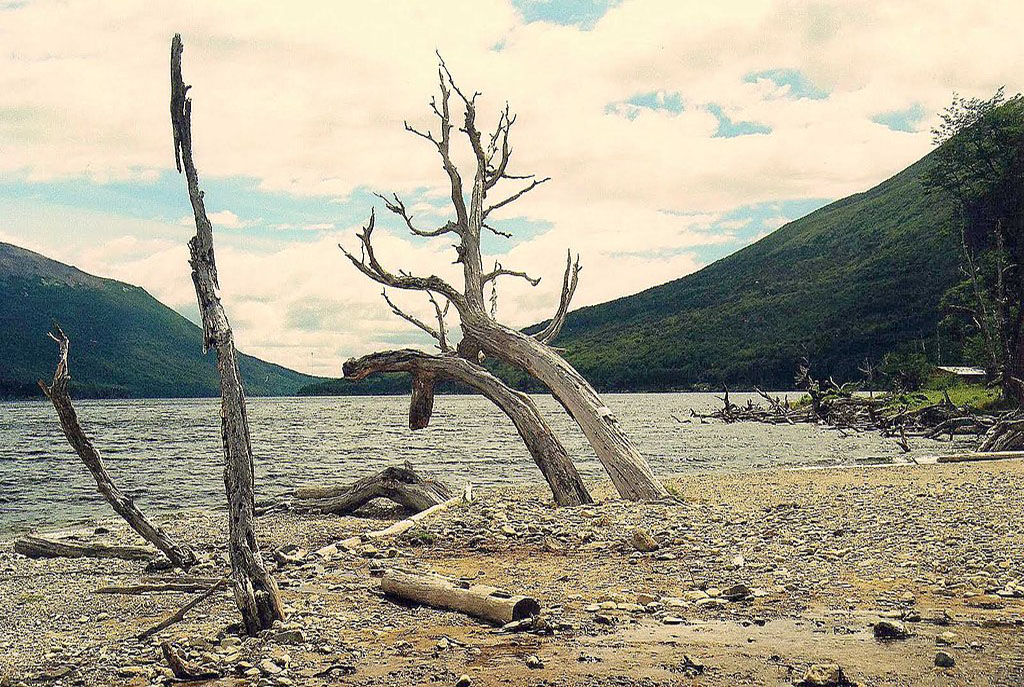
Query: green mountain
[[124, 343], [853, 280]]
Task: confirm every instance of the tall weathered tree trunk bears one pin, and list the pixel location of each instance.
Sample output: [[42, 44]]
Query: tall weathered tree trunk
[[547, 452], [256, 593], [626, 467], [178, 555]]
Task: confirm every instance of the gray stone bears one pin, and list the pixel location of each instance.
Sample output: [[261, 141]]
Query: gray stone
[[268, 667], [290, 637], [643, 542], [890, 629], [944, 659], [737, 592], [824, 675]]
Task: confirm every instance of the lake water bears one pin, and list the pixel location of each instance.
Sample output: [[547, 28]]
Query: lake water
[[167, 454]]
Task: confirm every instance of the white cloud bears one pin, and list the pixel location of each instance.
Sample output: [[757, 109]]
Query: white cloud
[[310, 98]]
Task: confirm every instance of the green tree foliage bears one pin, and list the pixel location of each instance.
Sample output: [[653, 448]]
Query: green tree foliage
[[979, 165], [906, 371]]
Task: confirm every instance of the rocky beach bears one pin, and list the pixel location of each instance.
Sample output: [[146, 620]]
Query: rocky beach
[[895, 575]]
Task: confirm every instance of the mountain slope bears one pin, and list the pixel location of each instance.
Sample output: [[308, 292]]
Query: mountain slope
[[123, 341], [857, 278]]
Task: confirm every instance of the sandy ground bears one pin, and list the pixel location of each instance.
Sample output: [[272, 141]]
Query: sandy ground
[[813, 560]]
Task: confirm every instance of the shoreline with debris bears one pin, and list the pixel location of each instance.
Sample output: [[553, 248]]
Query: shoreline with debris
[[744, 577]]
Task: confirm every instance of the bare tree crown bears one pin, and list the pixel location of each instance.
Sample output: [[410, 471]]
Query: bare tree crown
[[492, 153]]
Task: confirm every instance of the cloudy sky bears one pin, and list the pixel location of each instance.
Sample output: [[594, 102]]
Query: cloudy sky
[[675, 133]]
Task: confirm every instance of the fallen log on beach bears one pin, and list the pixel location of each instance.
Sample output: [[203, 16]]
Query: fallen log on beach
[[478, 600], [398, 528], [150, 588], [978, 456], [41, 547], [1007, 434], [184, 670], [400, 484]]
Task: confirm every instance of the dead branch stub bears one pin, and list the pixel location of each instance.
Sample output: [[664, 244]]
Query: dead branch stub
[[179, 555]]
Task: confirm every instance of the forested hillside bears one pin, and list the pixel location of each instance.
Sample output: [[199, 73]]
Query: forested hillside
[[124, 342]]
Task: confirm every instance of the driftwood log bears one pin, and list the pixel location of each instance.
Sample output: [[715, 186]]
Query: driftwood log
[[42, 547], [1007, 434], [256, 592], [482, 333], [546, 450], [150, 588], [59, 395], [477, 600], [399, 484], [397, 528], [977, 456]]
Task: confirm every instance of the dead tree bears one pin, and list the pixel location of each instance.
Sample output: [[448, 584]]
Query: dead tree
[[545, 448], [1007, 434], [179, 555], [256, 592], [482, 333]]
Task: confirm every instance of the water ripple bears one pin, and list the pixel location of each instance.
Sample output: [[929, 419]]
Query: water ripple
[[167, 453]]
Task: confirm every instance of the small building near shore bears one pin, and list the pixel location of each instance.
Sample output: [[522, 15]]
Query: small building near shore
[[973, 375]]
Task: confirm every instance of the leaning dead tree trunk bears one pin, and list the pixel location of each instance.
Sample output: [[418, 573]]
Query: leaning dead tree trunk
[[256, 593], [482, 333], [628, 470], [545, 448], [179, 555]]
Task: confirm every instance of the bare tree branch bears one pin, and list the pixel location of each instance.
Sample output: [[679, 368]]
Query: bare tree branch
[[569, 282], [497, 173], [367, 264], [444, 146], [441, 328], [437, 334], [500, 271], [398, 207], [496, 232], [516, 196]]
